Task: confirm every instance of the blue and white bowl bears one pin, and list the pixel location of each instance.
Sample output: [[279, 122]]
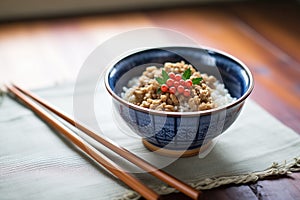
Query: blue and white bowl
[[180, 133]]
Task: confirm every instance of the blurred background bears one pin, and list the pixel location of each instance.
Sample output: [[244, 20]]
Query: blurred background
[[44, 43], [14, 9]]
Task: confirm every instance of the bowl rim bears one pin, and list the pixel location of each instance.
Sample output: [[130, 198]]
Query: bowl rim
[[181, 114]]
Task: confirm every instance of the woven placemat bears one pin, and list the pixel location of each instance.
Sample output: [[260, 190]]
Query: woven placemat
[[36, 163]]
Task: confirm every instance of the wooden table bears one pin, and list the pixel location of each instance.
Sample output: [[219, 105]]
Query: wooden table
[[264, 35]]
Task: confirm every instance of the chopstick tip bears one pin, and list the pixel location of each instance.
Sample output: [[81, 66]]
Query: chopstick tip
[[199, 196], [5, 86]]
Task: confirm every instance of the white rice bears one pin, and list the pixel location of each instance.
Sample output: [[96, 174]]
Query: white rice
[[220, 95]]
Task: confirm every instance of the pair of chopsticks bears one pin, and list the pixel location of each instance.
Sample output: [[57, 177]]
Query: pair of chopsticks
[[30, 99]]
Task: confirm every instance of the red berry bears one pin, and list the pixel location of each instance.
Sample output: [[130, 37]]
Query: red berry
[[181, 82], [177, 77], [176, 84], [187, 92], [164, 88], [172, 90], [180, 89], [188, 83], [172, 75], [170, 82]]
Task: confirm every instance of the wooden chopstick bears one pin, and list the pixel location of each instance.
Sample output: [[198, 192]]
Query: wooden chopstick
[[165, 177], [126, 177]]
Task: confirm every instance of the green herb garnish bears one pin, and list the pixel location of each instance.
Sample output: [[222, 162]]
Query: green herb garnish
[[160, 80], [158, 90], [163, 79], [186, 74], [165, 75], [196, 81]]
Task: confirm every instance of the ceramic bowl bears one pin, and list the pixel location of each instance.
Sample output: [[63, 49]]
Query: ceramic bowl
[[180, 133]]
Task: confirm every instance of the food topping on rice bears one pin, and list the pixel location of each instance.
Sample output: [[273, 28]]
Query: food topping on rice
[[176, 87]]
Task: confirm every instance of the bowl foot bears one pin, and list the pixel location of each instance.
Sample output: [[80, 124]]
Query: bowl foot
[[175, 153]]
